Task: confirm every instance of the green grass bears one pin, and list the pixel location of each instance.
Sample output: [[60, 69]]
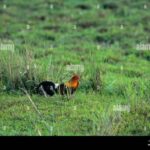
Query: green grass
[[87, 33]]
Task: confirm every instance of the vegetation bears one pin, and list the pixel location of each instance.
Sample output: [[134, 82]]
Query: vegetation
[[100, 35]]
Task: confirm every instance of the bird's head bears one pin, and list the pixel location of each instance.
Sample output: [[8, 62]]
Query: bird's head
[[75, 78]]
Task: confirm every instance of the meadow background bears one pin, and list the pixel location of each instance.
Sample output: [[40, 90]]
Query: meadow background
[[40, 39]]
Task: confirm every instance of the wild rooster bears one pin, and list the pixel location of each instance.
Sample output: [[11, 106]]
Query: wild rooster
[[48, 88]]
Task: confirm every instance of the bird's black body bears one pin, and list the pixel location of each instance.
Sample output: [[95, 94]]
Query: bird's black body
[[49, 88], [46, 88]]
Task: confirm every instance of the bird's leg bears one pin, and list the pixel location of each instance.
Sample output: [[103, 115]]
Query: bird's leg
[[72, 96], [68, 93], [62, 97]]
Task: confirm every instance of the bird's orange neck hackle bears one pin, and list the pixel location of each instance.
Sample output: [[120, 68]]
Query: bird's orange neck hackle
[[73, 82]]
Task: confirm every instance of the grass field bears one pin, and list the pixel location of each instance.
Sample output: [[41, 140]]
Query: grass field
[[101, 40]]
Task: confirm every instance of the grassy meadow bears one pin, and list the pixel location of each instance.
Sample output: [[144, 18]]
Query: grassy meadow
[[53, 39]]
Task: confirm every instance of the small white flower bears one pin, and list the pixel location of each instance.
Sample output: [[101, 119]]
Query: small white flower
[[121, 27], [28, 26], [98, 6], [28, 67], [4, 6], [51, 6], [145, 6]]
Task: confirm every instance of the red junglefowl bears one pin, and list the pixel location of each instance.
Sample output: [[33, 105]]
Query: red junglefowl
[[48, 88]]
